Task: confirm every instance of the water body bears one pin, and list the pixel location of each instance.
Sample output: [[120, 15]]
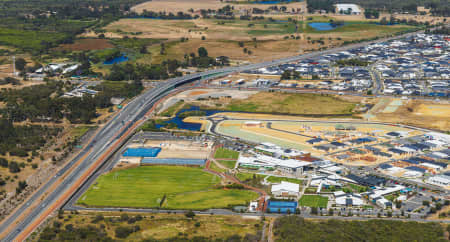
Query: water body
[[323, 26], [116, 60], [188, 126]]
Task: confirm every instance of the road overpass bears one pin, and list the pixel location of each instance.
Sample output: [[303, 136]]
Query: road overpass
[[51, 195]]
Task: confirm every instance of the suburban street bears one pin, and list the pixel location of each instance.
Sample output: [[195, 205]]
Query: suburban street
[[53, 194]]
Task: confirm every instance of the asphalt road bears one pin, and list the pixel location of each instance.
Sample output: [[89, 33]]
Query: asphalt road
[[116, 128]]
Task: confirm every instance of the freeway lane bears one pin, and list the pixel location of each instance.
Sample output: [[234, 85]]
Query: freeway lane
[[109, 135]]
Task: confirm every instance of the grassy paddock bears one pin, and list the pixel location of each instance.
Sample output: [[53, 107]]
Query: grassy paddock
[[222, 153], [228, 163], [182, 188], [310, 104], [313, 201]]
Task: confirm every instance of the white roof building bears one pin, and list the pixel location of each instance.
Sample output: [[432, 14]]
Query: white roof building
[[439, 180], [348, 8], [379, 192], [349, 200], [285, 189]]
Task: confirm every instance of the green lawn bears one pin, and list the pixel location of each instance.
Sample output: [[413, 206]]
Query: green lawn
[[169, 112], [222, 153], [28, 39], [228, 163], [313, 201], [242, 176], [276, 179], [79, 131], [183, 187]]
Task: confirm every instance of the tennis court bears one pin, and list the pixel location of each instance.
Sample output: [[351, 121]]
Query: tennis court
[[142, 152]]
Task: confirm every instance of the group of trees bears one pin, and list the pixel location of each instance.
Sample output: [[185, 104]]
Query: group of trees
[[44, 102], [316, 5], [19, 140], [161, 15], [294, 228], [371, 13], [168, 68]]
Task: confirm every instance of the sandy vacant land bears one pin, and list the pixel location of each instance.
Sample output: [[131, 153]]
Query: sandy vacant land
[[179, 148], [427, 114], [175, 6]]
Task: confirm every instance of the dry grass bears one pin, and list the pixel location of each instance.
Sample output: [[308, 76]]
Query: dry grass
[[175, 6]]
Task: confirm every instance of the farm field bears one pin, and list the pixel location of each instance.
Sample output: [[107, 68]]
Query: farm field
[[174, 6], [161, 226], [274, 39], [182, 187], [241, 30], [313, 201], [87, 44], [222, 153]]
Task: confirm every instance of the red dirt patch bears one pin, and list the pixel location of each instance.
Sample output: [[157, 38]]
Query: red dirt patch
[[195, 93], [87, 44]]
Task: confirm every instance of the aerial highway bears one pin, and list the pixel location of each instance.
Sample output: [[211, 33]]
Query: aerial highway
[[51, 195]]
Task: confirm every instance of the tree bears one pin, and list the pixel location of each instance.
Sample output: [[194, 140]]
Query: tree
[[13, 167], [330, 212], [190, 214], [20, 64], [202, 52]]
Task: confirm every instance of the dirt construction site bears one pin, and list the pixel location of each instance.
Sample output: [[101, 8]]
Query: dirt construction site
[[421, 113], [348, 142], [173, 149]]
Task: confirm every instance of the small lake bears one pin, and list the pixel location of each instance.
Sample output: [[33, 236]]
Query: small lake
[[322, 26], [188, 126], [116, 60]]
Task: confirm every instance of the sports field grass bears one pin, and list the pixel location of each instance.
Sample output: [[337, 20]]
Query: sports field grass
[[222, 153], [183, 187], [228, 163], [275, 179], [313, 201]]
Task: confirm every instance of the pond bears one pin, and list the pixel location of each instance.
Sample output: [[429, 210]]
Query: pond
[[184, 125], [323, 26], [116, 60], [178, 119]]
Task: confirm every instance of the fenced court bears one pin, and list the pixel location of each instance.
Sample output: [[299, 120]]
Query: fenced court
[[281, 206], [142, 152]]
